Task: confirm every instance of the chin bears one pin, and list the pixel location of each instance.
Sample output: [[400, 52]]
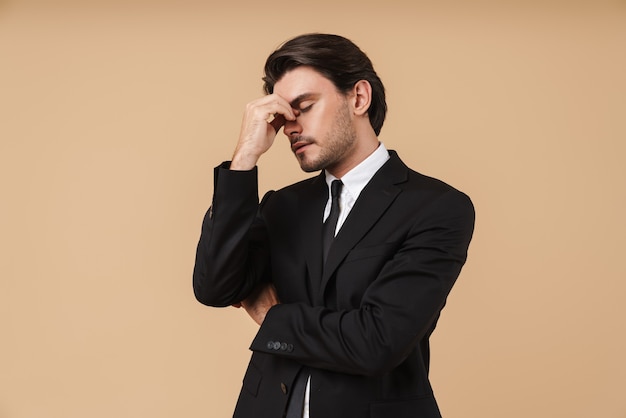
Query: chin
[[309, 166]]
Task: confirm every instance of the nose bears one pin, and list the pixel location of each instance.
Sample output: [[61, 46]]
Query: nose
[[292, 127]]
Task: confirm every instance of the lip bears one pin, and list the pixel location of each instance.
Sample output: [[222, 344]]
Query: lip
[[299, 146]]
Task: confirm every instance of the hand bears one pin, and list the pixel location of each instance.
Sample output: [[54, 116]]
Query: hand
[[259, 302], [261, 121]]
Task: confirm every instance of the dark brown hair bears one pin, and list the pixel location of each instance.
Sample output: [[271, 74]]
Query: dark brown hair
[[336, 58]]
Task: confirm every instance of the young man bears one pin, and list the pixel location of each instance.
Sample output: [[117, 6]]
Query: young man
[[346, 279]]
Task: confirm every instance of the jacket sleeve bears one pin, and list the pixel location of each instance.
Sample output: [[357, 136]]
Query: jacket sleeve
[[232, 255], [398, 309]]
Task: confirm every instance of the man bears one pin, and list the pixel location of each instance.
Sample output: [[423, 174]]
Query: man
[[346, 279]]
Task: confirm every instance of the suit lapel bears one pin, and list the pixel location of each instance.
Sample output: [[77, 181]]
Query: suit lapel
[[311, 203], [374, 200]]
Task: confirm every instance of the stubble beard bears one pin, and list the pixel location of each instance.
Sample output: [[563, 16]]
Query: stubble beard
[[339, 142]]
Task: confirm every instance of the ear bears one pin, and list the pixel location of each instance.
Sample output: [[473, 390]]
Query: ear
[[362, 97]]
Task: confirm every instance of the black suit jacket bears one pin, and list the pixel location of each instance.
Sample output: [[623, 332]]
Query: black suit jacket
[[361, 323]]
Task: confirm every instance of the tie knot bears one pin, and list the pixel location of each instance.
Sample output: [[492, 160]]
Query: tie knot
[[335, 188]]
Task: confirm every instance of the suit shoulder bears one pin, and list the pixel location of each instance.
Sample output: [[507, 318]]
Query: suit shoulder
[[437, 192], [421, 181], [411, 180]]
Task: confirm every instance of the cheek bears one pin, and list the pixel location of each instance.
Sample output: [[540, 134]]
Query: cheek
[[317, 123]]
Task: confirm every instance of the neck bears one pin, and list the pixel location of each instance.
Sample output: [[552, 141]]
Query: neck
[[364, 146]]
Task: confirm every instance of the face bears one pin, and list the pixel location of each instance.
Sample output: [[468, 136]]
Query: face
[[323, 135]]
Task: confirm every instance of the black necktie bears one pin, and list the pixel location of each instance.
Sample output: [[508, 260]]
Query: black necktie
[[328, 229]]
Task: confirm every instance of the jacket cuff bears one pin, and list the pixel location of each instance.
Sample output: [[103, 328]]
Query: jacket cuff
[[270, 339]]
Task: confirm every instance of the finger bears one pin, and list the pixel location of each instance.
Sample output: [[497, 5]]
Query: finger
[[278, 105]]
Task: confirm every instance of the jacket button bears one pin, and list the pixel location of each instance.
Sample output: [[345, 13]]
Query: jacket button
[[276, 345], [270, 345], [283, 347], [289, 348], [283, 388]]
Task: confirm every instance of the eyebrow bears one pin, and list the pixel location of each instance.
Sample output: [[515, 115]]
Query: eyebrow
[[304, 96]]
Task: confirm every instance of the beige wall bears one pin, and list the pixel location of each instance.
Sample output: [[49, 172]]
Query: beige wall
[[113, 115]]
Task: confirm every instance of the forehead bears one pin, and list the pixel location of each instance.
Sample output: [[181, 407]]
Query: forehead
[[302, 80]]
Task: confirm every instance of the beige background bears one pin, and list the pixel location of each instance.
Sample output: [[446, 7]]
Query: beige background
[[113, 114]]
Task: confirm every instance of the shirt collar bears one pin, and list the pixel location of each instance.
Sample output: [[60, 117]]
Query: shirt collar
[[355, 180]]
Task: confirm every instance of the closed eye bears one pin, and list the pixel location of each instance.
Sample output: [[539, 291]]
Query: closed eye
[[306, 108]]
